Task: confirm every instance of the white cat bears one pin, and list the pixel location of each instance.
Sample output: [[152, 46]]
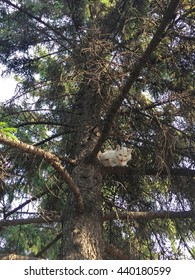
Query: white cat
[[118, 157]]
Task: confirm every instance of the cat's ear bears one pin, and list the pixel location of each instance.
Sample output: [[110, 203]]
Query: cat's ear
[[129, 150], [118, 147]]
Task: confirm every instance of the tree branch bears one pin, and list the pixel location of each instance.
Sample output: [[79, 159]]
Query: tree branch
[[38, 220], [50, 244], [147, 171], [135, 72], [53, 160], [33, 198], [146, 216], [43, 122], [48, 139], [38, 19]]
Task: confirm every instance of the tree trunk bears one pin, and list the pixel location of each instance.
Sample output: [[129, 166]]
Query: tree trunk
[[82, 231]]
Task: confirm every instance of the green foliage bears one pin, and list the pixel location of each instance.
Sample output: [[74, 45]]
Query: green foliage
[[7, 131], [28, 239]]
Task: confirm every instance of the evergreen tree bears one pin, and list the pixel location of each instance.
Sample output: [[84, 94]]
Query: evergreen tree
[[91, 75]]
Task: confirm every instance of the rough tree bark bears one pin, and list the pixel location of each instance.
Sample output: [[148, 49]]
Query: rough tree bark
[[82, 229]]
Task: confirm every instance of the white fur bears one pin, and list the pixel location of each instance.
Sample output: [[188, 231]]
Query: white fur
[[118, 157]]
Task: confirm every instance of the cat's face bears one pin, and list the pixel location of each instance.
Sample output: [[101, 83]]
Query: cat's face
[[123, 155]]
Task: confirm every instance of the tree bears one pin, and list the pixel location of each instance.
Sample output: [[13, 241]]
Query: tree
[[92, 74]]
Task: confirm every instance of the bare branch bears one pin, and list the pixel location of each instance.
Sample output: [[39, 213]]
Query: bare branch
[[33, 198], [50, 244], [38, 220], [147, 216], [51, 159]]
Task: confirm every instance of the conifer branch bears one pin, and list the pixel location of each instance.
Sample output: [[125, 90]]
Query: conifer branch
[[38, 19], [136, 70], [149, 215], [125, 171], [52, 159]]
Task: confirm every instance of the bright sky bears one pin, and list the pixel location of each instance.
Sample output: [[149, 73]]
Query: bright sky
[[7, 87]]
